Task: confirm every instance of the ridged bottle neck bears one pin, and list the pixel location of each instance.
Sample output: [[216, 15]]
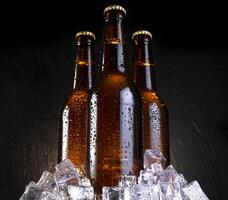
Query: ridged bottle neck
[[144, 73], [114, 52], [84, 64]]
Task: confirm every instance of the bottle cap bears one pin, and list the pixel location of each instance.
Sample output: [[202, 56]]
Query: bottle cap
[[142, 32], [86, 33], [114, 7]]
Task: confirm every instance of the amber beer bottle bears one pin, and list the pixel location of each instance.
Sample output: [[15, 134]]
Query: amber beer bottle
[[114, 125], [155, 115], [74, 117]]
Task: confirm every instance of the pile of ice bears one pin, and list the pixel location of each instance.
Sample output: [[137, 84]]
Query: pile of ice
[[66, 183], [153, 183]]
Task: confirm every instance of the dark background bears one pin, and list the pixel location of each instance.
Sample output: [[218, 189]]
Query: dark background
[[37, 52]]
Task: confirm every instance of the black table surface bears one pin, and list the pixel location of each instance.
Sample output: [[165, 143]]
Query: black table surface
[[37, 55]]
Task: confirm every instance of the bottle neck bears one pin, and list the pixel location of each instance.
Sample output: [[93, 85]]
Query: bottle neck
[[114, 52], [84, 67], [144, 73]]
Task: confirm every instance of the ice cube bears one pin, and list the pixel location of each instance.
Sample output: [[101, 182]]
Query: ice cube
[[145, 192], [57, 195], [110, 193], [172, 176], [85, 182], [193, 191], [32, 192], [80, 192], [127, 181], [66, 174], [126, 184], [167, 188], [151, 157], [155, 168], [148, 176], [168, 175], [49, 196], [63, 194], [172, 197], [48, 182], [143, 196], [126, 193], [180, 178], [177, 196]]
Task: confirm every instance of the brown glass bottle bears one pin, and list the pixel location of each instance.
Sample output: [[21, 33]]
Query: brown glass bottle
[[74, 117], [155, 114], [115, 125]]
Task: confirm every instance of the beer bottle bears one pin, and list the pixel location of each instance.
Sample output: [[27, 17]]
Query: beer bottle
[[74, 117], [155, 115], [114, 115]]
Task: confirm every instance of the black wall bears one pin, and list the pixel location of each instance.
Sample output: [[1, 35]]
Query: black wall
[[37, 52]]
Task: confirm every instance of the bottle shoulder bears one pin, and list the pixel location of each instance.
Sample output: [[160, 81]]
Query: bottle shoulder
[[77, 95], [115, 88], [152, 96], [116, 81]]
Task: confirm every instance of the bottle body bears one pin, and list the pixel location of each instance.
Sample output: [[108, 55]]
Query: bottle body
[[114, 114], [155, 124], [74, 130], [115, 107], [155, 113], [75, 113]]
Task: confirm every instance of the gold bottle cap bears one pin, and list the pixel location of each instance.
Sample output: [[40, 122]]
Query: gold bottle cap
[[86, 33], [114, 7], [142, 32]]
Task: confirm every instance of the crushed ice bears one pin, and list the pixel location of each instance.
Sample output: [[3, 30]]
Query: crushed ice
[[153, 183]]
